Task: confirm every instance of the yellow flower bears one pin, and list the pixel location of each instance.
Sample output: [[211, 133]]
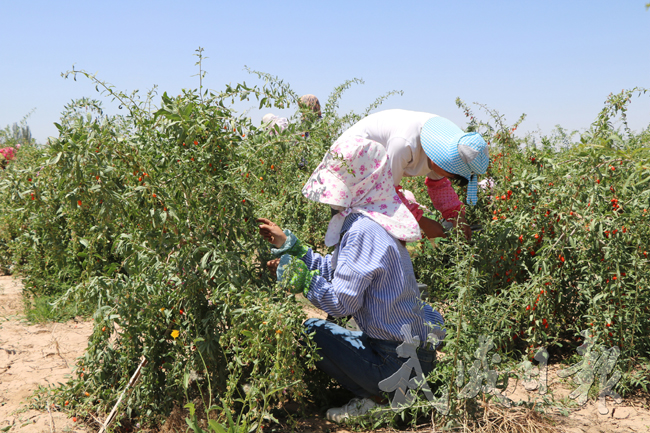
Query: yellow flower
[[175, 334]]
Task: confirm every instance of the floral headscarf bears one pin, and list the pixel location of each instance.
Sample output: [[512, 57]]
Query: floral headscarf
[[355, 176]]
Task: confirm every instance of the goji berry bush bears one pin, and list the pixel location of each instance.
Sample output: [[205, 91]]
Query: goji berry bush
[[146, 221], [563, 245]]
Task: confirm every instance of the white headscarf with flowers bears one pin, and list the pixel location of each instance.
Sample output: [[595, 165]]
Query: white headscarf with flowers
[[355, 176]]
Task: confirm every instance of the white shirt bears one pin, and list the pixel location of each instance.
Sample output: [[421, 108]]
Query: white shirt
[[399, 132]]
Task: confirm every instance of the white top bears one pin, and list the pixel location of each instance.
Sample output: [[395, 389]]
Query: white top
[[399, 132]]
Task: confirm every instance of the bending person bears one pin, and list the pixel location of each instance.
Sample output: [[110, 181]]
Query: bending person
[[424, 144]]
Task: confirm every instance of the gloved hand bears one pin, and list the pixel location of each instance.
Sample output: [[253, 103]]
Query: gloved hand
[[294, 275], [291, 246]]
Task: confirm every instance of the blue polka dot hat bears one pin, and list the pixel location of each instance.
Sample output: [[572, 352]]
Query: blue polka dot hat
[[455, 151]]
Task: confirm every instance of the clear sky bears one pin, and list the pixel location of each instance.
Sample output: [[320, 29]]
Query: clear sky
[[555, 60]]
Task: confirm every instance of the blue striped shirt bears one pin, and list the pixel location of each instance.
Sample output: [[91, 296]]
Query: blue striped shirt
[[370, 276]]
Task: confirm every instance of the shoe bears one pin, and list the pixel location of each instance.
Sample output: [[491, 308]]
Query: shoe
[[355, 407]]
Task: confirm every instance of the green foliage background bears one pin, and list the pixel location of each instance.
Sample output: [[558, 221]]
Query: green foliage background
[[146, 221]]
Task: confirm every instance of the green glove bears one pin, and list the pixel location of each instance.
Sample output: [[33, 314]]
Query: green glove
[[294, 275], [291, 246]]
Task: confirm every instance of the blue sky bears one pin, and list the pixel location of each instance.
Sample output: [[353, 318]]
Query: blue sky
[[556, 61]]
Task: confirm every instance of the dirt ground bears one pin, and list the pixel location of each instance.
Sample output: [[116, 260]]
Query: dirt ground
[[33, 355]]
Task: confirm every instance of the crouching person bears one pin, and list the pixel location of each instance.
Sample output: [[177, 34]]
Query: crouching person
[[369, 275]]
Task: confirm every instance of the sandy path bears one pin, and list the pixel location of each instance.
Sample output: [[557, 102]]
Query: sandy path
[[632, 415], [33, 355]]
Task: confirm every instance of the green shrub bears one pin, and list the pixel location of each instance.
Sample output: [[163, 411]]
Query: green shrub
[[148, 220]]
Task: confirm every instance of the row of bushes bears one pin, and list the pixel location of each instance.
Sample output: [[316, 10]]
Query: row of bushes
[[147, 221]]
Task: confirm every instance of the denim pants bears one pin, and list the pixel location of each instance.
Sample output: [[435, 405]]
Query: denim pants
[[359, 362]]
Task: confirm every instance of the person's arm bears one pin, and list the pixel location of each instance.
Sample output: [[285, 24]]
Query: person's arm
[[288, 245], [414, 208], [431, 228], [341, 297], [358, 264], [314, 261], [444, 198]]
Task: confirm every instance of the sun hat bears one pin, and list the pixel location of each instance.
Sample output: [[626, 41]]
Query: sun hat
[[268, 118], [463, 153], [355, 177], [270, 121]]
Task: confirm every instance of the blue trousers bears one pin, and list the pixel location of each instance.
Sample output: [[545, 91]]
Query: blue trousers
[[359, 362]]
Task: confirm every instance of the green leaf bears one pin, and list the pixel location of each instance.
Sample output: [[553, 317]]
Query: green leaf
[[186, 379], [216, 427], [55, 159]]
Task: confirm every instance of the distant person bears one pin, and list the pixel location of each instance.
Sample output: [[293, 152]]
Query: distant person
[[310, 102], [271, 123]]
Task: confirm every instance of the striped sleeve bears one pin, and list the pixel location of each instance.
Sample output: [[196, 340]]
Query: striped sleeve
[[359, 264], [321, 263], [343, 296]]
